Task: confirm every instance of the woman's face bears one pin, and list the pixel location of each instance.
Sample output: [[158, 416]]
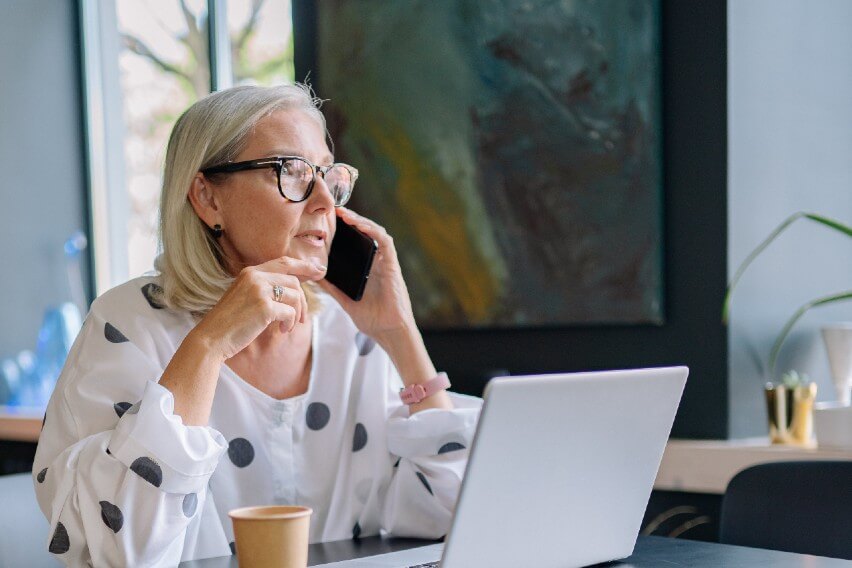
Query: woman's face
[[260, 225]]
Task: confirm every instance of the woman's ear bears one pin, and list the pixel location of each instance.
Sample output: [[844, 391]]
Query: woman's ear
[[204, 201]]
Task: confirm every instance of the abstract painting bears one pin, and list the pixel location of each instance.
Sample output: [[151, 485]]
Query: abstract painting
[[511, 147]]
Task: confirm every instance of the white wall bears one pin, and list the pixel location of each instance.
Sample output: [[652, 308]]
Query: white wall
[[789, 149], [42, 195]]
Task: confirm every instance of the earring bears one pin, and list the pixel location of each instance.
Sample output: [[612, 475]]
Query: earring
[[217, 231]]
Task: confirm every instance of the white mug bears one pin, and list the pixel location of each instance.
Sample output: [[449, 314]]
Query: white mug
[[838, 343]]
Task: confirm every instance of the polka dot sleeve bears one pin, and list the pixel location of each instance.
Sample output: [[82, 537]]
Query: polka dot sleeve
[[153, 442], [432, 449], [119, 477]]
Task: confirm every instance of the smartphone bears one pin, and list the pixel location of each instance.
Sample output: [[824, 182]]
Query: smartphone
[[350, 259]]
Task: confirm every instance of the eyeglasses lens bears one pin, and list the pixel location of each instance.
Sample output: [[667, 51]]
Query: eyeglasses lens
[[339, 182], [296, 176]]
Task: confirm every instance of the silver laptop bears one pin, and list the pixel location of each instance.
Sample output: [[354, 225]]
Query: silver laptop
[[559, 473]]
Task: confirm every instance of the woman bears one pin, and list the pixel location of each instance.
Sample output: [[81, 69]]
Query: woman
[[237, 375]]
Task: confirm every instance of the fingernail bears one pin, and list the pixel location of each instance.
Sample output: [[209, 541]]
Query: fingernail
[[320, 266]]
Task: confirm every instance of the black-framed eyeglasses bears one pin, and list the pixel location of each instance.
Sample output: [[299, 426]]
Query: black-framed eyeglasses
[[297, 176]]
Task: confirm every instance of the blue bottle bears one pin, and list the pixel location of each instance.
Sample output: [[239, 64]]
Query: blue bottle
[[58, 331], [26, 392], [29, 379], [10, 381]]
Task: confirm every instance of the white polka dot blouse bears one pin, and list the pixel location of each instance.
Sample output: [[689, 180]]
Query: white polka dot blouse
[[124, 483]]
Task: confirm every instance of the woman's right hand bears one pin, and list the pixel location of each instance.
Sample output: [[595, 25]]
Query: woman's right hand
[[248, 306]]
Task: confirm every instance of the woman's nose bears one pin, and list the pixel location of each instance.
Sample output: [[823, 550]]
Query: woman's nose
[[321, 195]]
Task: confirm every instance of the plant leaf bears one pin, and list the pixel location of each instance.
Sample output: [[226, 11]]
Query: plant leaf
[[776, 348], [831, 223]]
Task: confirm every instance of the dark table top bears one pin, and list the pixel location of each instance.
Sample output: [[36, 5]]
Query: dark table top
[[651, 551]]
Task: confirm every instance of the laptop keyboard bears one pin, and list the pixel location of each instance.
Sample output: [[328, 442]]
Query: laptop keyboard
[[427, 565]]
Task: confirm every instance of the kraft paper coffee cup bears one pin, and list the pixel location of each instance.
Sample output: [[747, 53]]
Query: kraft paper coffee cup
[[271, 536]]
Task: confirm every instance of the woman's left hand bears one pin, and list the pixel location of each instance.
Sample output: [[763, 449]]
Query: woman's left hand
[[385, 308]]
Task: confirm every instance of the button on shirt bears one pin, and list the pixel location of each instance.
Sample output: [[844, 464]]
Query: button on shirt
[[123, 481]]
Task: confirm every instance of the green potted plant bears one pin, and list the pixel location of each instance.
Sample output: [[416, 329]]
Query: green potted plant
[[790, 403]]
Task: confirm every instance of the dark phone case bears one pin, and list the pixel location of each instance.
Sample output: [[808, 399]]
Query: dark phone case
[[350, 259]]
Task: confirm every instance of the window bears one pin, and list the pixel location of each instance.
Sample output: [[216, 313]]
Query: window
[[164, 55], [164, 67], [261, 37]]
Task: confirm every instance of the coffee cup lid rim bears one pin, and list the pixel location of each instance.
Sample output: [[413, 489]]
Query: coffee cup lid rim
[[287, 512]]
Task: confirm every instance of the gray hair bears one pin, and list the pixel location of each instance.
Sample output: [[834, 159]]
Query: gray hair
[[212, 131]]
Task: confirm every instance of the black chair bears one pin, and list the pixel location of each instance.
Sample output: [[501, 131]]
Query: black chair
[[802, 506]]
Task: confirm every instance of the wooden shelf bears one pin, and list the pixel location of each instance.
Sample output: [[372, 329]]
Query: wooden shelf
[[706, 466], [20, 424]]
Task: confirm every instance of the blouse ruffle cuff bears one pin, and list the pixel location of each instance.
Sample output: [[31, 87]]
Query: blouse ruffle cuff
[[152, 441], [433, 431]]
